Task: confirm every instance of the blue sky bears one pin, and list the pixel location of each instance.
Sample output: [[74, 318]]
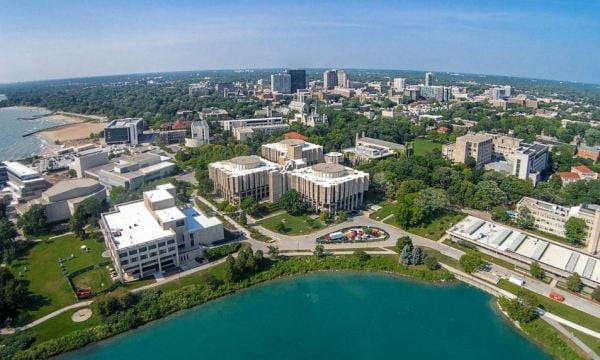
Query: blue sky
[[57, 39]]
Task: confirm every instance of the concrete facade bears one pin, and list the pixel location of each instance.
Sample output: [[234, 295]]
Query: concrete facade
[[153, 235], [61, 200], [293, 150], [551, 218], [476, 146], [240, 177]]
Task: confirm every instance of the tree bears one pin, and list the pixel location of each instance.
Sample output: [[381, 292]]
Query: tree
[[361, 255], [77, 223], [431, 263], [417, 256], [596, 294], [523, 308], [402, 242], [342, 215], [499, 214], [249, 204], [471, 262], [487, 194], [273, 251], [574, 282], [406, 255], [71, 173], [12, 296], [536, 270], [230, 273], [281, 227], [324, 216], [242, 218], [293, 203], [525, 219], [575, 230], [33, 221], [431, 201], [319, 250]]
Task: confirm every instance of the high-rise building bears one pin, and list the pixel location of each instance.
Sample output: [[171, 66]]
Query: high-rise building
[[330, 79], [281, 83], [399, 84], [298, 80], [428, 79], [342, 78]]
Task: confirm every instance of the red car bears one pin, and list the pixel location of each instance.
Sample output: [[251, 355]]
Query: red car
[[557, 297]]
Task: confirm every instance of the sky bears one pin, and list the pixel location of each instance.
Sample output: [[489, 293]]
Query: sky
[[41, 39]]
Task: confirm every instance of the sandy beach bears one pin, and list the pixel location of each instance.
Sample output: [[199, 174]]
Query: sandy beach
[[76, 131]]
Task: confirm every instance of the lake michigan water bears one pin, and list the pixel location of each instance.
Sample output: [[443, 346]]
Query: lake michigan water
[[330, 316], [13, 145]]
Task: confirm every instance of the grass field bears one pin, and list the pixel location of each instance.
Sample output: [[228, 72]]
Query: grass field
[[386, 209], [296, 225], [422, 146], [97, 279], [555, 307], [436, 228], [61, 325], [49, 290]]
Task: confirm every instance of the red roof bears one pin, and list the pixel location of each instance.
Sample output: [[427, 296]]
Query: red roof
[[166, 126], [294, 135], [181, 125], [568, 175], [583, 169]]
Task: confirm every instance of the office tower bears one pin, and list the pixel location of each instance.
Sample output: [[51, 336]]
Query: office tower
[[428, 79], [399, 84], [342, 78], [330, 79], [281, 83], [297, 80]]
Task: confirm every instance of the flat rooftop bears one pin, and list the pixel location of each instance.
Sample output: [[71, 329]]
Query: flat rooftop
[[281, 146], [243, 165], [507, 240], [328, 174], [19, 169], [197, 221], [133, 224]]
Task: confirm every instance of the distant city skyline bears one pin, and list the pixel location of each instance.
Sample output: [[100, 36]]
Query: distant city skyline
[[534, 39]]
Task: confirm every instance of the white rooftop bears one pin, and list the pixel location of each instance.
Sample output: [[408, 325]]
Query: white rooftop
[[19, 169], [505, 239], [170, 214], [281, 146], [133, 224], [157, 195], [196, 220]]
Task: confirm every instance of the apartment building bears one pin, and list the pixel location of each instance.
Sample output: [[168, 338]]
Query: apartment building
[[551, 218], [241, 177], [243, 129], [154, 235]]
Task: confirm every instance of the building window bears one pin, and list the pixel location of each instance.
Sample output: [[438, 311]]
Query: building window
[[134, 259], [161, 244], [191, 241], [153, 246], [153, 253], [142, 257], [179, 223], [142, 249], [122, 254], [124, 262], [132, 252], [171, 241]]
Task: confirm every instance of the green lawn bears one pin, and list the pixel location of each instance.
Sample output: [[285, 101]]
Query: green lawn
[[436, 228], [592, 342], [386, 209], [423, 147], [97, 279], [296, 225], [61, 325], [49, 290], [556, 307]]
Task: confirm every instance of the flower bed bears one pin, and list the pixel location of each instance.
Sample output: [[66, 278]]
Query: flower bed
[[354, 235]]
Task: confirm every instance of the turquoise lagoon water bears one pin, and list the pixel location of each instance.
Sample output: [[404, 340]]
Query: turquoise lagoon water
[[330, 316]]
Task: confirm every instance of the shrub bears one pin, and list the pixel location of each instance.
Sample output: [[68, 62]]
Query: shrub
[[431, 262], [471, 261], [219, 252]]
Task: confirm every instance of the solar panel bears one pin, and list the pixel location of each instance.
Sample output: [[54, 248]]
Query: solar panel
[[589, 268]]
